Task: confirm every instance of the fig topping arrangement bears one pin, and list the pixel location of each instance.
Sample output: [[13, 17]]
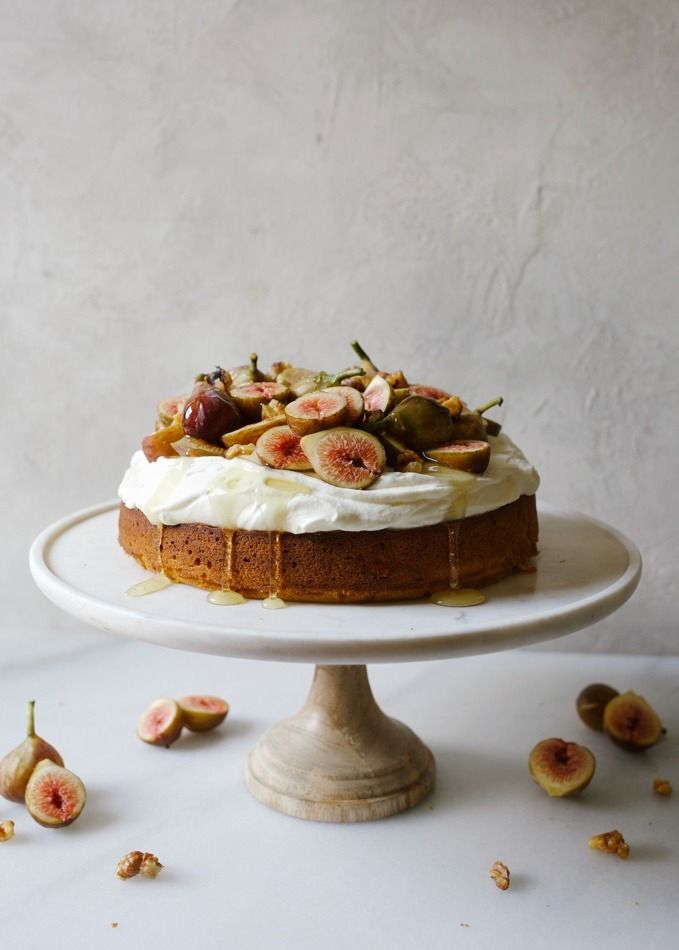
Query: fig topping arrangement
[[376, 419], [163, 721]]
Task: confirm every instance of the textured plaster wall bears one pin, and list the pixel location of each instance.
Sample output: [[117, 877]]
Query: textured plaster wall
[[486, 194]]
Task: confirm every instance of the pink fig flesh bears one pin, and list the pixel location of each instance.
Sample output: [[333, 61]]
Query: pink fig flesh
[[316, 411], [347, 458], [432, 391], [378, 395], [54, 796], [561, 768], [464, 455], [16, 767], [161, 724], [203, 712], [354, 402], [280, 448]]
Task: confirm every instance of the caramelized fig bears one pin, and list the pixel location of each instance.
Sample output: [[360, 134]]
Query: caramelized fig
[[168, 408], [159, 443], [250, 397], [417, 389], [297, 379], [561, 768], [420, 422], [591, 702], [631, 722], [248, 435], [466, 455], [189, 446], [316, 411], [354, 402], [203, 712], [54, 796], [378, 395], [161, 724], [279, 447], [209, 413], [16, 767], [248, 373], [347, 458]]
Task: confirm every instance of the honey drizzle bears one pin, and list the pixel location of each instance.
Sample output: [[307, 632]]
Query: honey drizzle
[[225, 597], [273, 601], [453, 556]]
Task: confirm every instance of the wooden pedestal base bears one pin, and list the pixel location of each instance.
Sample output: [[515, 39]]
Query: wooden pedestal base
[[340, 758]]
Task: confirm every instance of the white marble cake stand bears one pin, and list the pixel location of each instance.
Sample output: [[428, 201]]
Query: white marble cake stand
[[340, 758]]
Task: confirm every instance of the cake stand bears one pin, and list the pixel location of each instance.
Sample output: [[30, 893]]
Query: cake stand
[[340, 758]]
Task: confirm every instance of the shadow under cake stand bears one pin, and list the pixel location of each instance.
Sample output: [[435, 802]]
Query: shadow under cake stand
[[340, 758]]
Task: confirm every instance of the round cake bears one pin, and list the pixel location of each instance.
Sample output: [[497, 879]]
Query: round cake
[[304, 486]]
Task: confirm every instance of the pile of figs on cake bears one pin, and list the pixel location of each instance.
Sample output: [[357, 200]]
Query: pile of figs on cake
[[347, 427]]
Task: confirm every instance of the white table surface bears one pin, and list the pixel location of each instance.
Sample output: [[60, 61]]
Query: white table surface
[[240, 876]]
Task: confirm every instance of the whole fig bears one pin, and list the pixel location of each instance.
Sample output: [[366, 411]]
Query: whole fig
[[17, 766]]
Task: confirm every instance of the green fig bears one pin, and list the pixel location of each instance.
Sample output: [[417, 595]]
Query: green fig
[[418, 421], [17, 766]]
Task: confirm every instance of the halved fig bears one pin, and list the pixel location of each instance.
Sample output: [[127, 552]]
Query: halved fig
[[248, 435], [378, 395], [162, 723], [16, 767], [354, 402], [297, 379], [631, 722], [347, 458], [316, 411], [561, 768], [203, 712], [417, 389], [54, 796], [250, 397], [168, 408], [465, 455], [591, 703], [280, 447], [192, 447], [159, 443]]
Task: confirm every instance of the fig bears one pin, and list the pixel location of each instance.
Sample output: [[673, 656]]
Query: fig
[[190, 446], [248, 373], [469, 425], [561, 768], [16, 767], [162, 723], [248, 435], [250, 397], [168, 408], [297, 379], [347, 458], [209, 413], [280, 448], [203, 712], [316, 411], [54, 796], [420, 422], [159, 443], [591, 702], [367, 364], [378, 395], [466, 455], [354, 402], [433, 392], [631, 722]]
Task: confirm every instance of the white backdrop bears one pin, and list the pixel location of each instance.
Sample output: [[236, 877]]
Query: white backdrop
[[486, 195]]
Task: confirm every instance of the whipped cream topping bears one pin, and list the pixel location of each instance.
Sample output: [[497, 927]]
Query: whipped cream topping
[[242, 493]]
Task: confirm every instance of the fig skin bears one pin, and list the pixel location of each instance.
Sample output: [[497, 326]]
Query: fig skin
[[55, 797], [202, 713], [345, 457], [631, 722], [591, 703], [280, 448], [561, 768], [316, 411], [354, 402], [162, 723], [16, 767], [465, 455]]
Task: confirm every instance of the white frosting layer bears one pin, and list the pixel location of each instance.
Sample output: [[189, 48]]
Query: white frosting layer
[[241, 493]]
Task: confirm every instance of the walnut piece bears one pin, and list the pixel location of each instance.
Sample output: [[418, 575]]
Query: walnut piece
[[6, 830], [662, 786], [500, 874], [138, 862], [612, 842]]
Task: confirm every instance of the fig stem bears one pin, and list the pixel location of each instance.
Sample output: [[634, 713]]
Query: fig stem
[[324, 380], [30, 727], [253, 367], [366, 362], [489, 405]]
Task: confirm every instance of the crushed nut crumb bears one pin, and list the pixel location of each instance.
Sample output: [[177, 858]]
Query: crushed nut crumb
[[500, 874], [234, 451], [6, 830], [662, 786], [138, 862], [612, 842]]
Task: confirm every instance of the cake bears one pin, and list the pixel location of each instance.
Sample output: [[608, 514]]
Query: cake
[[355, 487]]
